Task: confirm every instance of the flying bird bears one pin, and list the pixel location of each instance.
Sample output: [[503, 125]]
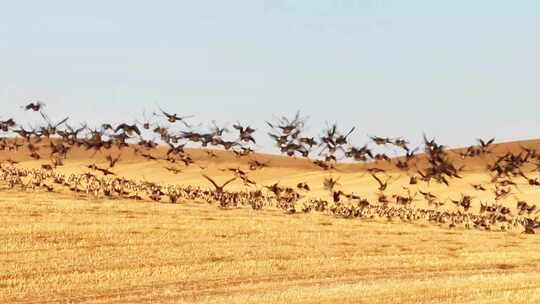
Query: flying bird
[[219, 189], [172, 118], [34, 106]]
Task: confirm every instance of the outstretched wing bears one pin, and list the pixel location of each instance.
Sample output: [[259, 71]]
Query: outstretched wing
[[238, 127], [350, 132], [377, 179], [136, 130], [112, 161], [481, 141], [184, 122], [61, 122], [166, 114], [121, 126], [228, 182], [210, 180], [46, 118]]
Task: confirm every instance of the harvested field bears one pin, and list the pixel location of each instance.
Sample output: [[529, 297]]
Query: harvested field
[[59, 249]]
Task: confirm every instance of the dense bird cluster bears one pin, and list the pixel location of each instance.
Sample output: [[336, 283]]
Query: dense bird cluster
[[53, 141]]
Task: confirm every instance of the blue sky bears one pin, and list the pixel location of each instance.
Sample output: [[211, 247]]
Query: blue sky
[[456, 70]]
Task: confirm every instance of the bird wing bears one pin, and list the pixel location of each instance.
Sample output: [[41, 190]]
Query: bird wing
[[136, 129], [482, 143], [377, 179], [114, 161], [166, 114], [120, 127], [210, 180], [46, 118], [185, 123], [61, 122], [228, 182], [350, 132], [238, 127]]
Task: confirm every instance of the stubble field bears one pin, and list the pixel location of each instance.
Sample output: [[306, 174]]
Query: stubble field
[[61, 248]]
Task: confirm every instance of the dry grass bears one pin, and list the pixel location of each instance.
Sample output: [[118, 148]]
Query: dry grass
[[57, 249]]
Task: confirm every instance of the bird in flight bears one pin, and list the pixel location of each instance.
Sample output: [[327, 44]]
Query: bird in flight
[[219, 189], [172, 118]]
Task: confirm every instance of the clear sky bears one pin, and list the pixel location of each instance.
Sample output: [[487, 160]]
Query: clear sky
[[453, 69]]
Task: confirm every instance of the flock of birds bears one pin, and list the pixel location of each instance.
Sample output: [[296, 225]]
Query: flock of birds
[[53, 141]]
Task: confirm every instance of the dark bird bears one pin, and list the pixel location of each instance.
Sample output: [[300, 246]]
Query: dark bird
[[174, 170], [255, 165], [236, 171], [330, 183], [172, 118], [478, 187], [244, 151], [149, 156], [342, 139], [246, 180], [484, 145], [428, 196], [102, 170], [524, 207], [128, 129], [382, 157], [531, 181], [465, 202], [12, 162], [7, 124], [275, 188], [381, 140], [47, 167], [48, 188], [219, 189], [210, 153], [376, 170], [112, 161], [51, 127], [246, 133], [34, 106], [382, 186], [218, 131], [146, 124], [401, 143], [187, 160], [107, 127], [227, 145], [323, 165], [303, 186], [410, 155], [501, 193], [175, 149]]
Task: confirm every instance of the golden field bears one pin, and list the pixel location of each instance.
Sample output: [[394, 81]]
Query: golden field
[[62, 248]]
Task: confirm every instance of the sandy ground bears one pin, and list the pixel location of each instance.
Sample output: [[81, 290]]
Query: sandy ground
[[58, 248]]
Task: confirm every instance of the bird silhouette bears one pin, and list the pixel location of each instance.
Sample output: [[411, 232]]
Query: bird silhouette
[[219, 189]]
